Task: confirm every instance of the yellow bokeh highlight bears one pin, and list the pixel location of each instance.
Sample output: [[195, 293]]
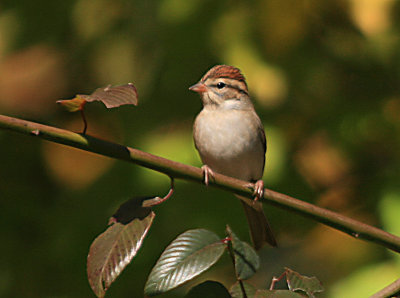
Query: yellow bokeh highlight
[[389, 207], [267, 83], [113, 61], [372, 16], [365, 282], [175, 143], [320, 161], [91, 19], [275, 157], [119, 60], [9, 28], [176, 11], [283, 24], [31, 80], [72, 168]]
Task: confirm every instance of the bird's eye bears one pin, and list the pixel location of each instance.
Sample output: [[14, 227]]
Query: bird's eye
[[221, 85]]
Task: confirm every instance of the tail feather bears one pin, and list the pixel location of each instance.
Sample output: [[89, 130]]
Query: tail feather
[[260, 229]]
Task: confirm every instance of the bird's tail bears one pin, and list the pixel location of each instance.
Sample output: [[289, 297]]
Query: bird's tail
[[260, 229]]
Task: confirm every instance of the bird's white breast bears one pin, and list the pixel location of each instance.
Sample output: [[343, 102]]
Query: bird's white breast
[[229, 142]]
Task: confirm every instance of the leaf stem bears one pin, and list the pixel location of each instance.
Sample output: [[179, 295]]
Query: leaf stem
[[157, 200], [231, 254], [276, 279], [178, 170], [85, 124]]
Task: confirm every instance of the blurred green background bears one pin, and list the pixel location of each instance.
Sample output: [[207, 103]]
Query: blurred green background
[[324, 76]]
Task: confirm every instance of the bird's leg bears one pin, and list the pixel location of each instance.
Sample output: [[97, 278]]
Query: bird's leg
[[258, 190], [207, 173]]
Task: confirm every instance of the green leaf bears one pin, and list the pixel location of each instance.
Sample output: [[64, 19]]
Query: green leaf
[[113, 250], [389, 207], [186, 257], [247, 260], [296, 282], [237, 292], [209, 289], [277, 294]]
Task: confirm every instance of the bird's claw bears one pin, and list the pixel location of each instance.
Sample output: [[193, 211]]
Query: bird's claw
[[207, 173], [258, 190]]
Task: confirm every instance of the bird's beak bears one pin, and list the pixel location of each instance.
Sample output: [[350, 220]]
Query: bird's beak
[[199, 88]]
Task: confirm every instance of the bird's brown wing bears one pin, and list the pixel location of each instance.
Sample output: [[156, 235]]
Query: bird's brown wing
[[263, 139]]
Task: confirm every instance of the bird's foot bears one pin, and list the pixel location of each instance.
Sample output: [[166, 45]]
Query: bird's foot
[[258, 190], [207, 174]]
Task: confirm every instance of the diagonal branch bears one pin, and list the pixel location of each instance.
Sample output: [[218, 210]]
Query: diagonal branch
[[392, 290], [181, 171]]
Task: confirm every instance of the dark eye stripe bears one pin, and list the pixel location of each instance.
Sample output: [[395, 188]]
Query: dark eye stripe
[[240, 90]]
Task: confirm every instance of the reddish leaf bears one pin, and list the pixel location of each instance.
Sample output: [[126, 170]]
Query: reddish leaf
[[114, 96], [111, 97], [113, 250], [131, 209], [277, 294], [296, 282]]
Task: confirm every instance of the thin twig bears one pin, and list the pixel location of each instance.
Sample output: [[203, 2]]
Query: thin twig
[[178, 170]]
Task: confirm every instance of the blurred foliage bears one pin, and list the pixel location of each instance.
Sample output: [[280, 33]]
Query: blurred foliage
[[324, 76]]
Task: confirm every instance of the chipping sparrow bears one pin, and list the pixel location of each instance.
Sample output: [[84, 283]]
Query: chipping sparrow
[[231, 141]]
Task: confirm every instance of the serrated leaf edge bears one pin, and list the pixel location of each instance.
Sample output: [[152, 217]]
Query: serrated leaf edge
[[166, 278], [102, 276]]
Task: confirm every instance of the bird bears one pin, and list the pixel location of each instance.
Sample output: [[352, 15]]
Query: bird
[[230, 139]]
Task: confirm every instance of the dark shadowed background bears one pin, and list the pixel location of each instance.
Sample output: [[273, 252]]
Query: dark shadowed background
[[324, 76]]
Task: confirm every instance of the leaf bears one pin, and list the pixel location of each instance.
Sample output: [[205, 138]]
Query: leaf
[[277, 294], [132, 209], [296, 282], [114, 249], [236, 290], [247, 260], [111, 96], [72, 105], [190, 254], [209, 289], [114, 96]]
